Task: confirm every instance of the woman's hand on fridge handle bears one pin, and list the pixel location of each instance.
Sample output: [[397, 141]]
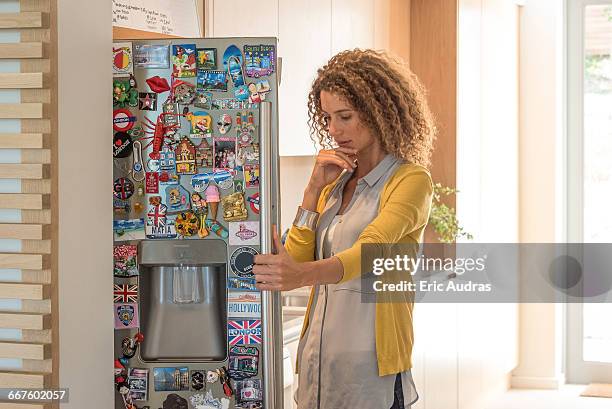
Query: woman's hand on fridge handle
[[280, 272]]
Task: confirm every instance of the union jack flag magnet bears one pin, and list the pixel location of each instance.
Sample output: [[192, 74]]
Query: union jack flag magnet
[[125, 293], [244, 332]]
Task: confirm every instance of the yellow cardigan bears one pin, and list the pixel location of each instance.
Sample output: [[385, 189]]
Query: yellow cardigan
[[405, 203]]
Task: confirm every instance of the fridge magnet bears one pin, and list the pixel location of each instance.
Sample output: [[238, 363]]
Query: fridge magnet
[[132, 229], [254, 202], [251, 175], [197, 380], [241, 93], [123, 120], [124, 94], [243, 304], [234, 209], [244, 332], [224, 152], [158, 84], [201, 123], [200, 182], [168, 178], [121, 207], [152, 183], [183, 92], [177, 199], [217, 228], [238, 283], [170, 114], [207, 401], [138, 172], [232, 64], [238, 185], [122, 145], [167, 159], [203, 99], [125, 293], [248, 391], [259, 60], [211, 80], [158, 226], [185, 154], [242, 233], [124, 260], [174, 401], [138, 380], [204, 155], [224, 123], [171, 379], [212, 196], [207, 58], [126, 316], [243, 361], [123, 62], [252, 154], [123, 188], [187, 224], [241, 261], [151, 56], [153, 165], [258, 91], [147, 101], [183, 60], [198, 204]]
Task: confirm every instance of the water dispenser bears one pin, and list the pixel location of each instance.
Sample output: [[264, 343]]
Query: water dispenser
[[183, 300]]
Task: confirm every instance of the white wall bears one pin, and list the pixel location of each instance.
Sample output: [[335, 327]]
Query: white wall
[[487, 180], [541, 325], [85, 212]]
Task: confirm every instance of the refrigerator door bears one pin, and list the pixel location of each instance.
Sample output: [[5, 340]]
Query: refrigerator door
[[186, 141]]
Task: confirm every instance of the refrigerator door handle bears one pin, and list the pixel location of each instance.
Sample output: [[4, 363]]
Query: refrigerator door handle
[[270, 300]]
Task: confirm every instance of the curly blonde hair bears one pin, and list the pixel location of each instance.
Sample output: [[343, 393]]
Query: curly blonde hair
[[388, 97]]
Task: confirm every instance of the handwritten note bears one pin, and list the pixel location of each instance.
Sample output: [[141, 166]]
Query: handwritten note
[[176, 17]]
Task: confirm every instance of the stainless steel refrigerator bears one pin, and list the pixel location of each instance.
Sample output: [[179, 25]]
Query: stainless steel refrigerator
[[195, 195]]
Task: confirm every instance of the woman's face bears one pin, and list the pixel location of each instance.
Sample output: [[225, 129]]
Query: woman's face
[[344, 124]]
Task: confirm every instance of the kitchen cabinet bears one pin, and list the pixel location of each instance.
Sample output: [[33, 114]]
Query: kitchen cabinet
[[309, 33]]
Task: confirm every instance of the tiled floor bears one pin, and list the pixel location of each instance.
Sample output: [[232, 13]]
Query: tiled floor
[[568, 397]]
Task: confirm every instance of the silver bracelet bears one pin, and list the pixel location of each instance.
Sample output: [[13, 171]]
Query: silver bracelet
[[306, 218]]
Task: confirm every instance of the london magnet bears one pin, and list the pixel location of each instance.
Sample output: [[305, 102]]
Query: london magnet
[[123, 120], [122, 145], [244, 332]]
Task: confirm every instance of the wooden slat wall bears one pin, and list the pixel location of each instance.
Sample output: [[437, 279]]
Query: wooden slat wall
[[36, 111]]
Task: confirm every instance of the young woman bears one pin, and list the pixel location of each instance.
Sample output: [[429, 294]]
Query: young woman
[[370, 184]]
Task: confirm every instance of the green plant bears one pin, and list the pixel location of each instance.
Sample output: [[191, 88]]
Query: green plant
[[443, 218]]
